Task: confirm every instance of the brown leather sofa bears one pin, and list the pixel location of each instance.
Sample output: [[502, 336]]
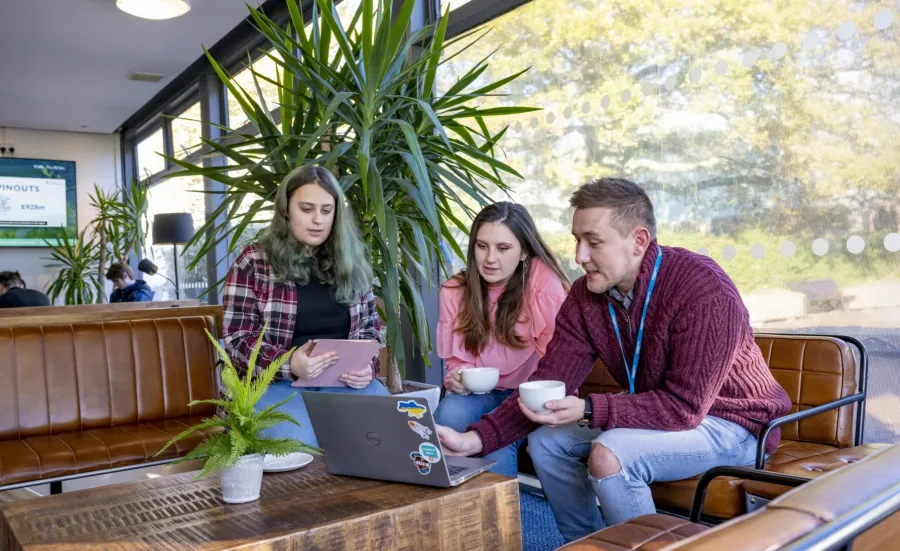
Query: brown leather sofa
[[857, 506], [87, 397], [826, 384]]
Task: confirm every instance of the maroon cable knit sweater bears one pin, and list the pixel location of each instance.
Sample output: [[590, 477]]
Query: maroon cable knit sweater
[[698, 357]]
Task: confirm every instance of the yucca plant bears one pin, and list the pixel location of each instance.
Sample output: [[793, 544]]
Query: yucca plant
[[356, 101], [76, 281], [236, 414], [119, 225]]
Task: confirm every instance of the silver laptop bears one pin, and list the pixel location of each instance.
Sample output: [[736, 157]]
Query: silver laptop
[[385, 438]]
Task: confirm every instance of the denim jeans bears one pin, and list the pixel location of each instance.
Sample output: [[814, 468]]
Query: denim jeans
[[458, 412], [646, 456], [280, 390]]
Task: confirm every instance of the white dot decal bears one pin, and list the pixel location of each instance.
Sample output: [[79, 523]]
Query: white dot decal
[[757, 250], [856, 244], [884, 19], [568, 113], [820, 247], [778, 51], [671, 82], [846, 31], [604, 102], [703, 250], [811, 41], [788, 249], [534, 122], [749, 59], [696, 73], [729, 252], [585, 107], [625, 96], [721, 67], [648, 88], [550, 118], [518, 126], [892, 242]]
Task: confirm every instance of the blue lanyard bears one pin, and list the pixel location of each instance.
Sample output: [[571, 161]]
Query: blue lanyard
[[632, 373]]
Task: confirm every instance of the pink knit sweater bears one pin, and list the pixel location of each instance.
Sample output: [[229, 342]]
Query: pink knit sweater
[[698, 357]]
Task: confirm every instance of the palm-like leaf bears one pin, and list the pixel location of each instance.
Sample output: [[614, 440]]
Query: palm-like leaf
[[76, 281], [238, 416], [405, 155]]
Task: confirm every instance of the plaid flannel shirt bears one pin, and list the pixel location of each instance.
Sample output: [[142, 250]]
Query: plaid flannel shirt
[[252, 297]]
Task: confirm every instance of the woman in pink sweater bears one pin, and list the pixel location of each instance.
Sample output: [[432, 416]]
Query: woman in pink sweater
[[498, 312]]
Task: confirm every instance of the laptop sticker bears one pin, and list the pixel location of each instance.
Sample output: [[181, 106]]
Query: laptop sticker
[[421, 463], [412, 408], [420, 429], [430, 452]]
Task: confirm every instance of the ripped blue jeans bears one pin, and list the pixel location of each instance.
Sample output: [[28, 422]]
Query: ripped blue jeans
[[646, 456]]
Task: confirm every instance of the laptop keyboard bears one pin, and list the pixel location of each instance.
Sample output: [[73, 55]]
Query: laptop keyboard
[[455, 469]]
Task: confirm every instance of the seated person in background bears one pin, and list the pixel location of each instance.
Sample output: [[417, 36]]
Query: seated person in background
[[672, 330], [307, 277], [13, 293], [126, 288], [500, 312]]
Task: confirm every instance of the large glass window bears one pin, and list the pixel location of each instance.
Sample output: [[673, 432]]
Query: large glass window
[[184, 194], [186, 131], [766, 134], [149, 149], [265, 68]]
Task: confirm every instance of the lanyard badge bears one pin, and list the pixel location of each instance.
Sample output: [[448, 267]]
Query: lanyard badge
[[632, 372]]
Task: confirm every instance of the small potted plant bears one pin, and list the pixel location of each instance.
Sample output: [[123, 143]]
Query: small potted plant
[[238, 451]]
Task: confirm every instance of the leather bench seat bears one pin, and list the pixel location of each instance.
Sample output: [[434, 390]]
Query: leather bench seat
[[646, 533], [82, 397], [38, 457], [783, 521]]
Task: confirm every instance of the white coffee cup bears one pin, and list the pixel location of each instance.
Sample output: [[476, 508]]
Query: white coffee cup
[[537, 393], [480, 380]]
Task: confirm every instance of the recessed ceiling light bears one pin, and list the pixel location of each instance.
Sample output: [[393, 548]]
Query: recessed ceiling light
[[154, 9]]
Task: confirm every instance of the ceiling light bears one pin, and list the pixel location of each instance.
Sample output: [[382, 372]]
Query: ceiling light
[[154, 9]]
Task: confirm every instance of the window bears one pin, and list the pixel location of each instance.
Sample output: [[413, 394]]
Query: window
[[148, 160], [454, 4], [265, 67], [186, 131], [766, 138], [184, 194]]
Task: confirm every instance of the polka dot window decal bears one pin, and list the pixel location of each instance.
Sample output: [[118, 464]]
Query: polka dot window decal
[[856, 244], [757, 250], [892, 242], [883, 20], [721, 67], [846, 30], [820, 246], [788, 249], [778, 51], [729, 252]]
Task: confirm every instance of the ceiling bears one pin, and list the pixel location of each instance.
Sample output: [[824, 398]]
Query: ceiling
[[64, 64]]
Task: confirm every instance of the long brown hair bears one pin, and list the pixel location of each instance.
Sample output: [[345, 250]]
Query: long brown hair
[[474, 321]]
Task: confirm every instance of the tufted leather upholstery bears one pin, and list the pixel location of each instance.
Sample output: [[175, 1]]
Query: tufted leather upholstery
[[78, 397], [646, 533], [783, 521], [814, 370]]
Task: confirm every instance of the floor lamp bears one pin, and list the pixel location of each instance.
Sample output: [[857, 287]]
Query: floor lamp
[[175, 228]]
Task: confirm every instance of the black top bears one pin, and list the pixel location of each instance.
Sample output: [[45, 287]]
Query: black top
[[17, 297], [318, 315]]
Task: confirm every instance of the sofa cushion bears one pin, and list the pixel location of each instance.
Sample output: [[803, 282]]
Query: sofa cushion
[[48, 456]]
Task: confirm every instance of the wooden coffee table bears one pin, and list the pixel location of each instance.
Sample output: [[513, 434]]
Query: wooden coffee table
[[303, 509]]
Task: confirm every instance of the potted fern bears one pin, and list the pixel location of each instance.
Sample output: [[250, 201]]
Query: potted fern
[[238, 451]]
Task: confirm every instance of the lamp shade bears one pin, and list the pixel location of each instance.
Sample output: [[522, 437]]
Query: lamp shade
[[174, 228]]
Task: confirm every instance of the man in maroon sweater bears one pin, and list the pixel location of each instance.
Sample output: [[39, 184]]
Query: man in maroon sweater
[[671, 328]]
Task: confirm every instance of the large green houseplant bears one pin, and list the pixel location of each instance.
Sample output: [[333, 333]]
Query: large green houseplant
[[119, 224], [357, 100], [238, 449]]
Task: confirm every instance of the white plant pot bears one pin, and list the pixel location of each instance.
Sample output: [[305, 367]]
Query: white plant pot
[[431, 393], [241, 482]]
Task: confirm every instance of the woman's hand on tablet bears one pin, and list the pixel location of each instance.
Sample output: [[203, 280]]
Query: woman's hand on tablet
[[309, 367], [357, 379]]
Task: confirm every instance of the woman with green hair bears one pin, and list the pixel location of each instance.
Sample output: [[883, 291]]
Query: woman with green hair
[[307, 277]]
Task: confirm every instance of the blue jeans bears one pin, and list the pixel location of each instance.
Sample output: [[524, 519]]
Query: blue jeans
[[646, 456], [458, 412], [280, 390]]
